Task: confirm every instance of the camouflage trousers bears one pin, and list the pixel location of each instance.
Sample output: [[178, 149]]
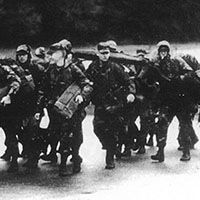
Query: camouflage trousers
[[107, 127]]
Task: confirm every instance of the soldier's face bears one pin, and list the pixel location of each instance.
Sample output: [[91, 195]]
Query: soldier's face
[[22, 58], [56, 57], [163, 54], [104, 56]]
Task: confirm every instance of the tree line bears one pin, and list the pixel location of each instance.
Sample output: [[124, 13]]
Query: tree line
[[90, 21]]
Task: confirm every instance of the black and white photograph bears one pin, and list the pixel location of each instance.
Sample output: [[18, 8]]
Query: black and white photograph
[[99, 99]]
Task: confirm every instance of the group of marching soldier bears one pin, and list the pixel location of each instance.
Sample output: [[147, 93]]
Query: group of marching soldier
[[43, 103]]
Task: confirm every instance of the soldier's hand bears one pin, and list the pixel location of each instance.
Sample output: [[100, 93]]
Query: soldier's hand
[[130, 98], [37, 116], [79, 99], [6, 100]]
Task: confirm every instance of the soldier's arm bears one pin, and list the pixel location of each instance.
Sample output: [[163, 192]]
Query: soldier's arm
[[13, 80], [185, 70], [79, 76], [90, 72], [123, 77]]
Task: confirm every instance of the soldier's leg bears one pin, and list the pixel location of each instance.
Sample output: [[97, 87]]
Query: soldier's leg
[[53, 137], [194, 138], [132, 139], [107, 138], [111, 139], [122, 137], [164, 119], [144, 116], [77, 140], [151, 129], [143, 134], [24, 139], [65, 149], [34, 145], [186, 130], [53, 141], [13, 147]]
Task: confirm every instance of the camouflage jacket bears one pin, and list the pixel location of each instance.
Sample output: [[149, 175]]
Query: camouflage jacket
[[107, 78], [172, 74], [9, 79], [58, 79]]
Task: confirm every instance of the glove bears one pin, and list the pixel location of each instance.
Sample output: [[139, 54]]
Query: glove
[[6, 100], [130, 98], [37, 116], [79, 99]]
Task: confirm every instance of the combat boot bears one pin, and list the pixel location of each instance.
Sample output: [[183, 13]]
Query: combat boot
[[14, 151], [77, 164], [110, 164], [186, 155], [13, 168], [31, 164], [159, 156], [76, 167], [63, 171], [135, 146], [63, 168], [79, 158], [141, 150], [118, 153], [126, 153], [51, 157]]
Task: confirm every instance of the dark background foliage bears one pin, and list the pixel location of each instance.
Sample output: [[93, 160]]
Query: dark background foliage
[[89, 21]]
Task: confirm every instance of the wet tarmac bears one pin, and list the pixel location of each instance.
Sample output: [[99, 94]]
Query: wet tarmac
[[136, 177]]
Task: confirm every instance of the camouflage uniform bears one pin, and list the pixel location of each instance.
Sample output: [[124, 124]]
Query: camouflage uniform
[[11, 82], [129, 131], [173, 100], [28, 125], [67, 131], [193, 87], [108, 98]]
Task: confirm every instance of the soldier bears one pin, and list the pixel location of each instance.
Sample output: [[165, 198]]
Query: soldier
[[41, 57], [59, 76], [129, 131], [194, 91], [109, 80], [26, 87], [174, 100], [28, 101], [67, 46], [10, 84]]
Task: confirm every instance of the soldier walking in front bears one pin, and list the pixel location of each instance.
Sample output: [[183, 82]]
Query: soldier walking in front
[[108, 78]]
